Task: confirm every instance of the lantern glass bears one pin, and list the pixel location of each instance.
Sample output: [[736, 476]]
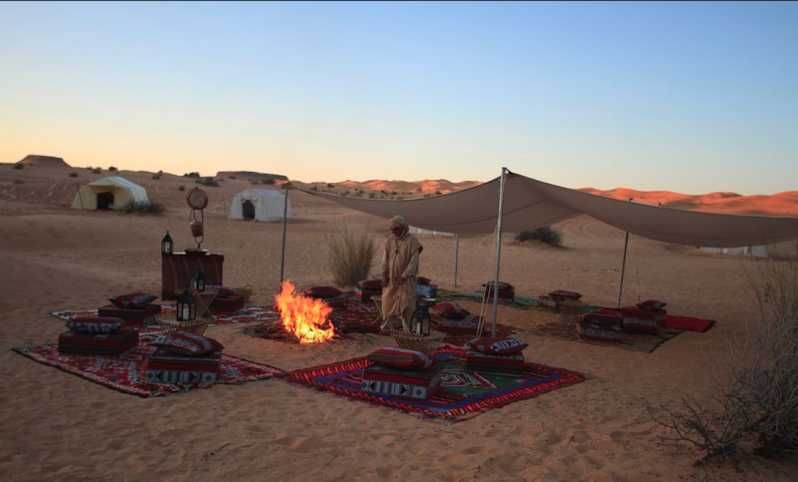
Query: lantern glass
[[186, 309], [198, 282], [167, 244]]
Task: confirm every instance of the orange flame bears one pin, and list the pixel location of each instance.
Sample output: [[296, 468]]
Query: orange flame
[[306, 318]]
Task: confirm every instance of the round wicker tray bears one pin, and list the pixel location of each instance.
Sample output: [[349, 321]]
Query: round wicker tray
[[424, 344]]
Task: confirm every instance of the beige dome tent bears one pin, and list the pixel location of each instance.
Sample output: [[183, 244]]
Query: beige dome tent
[[112, 192], [260, 205]]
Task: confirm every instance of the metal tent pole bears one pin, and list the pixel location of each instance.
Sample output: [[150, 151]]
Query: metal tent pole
[[623, 268], [456, 256], [498, 251], [623, 265], [285, 228]]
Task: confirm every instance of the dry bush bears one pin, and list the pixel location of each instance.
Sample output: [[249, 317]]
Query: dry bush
[[97, 170], [351, 255], [759, 405], [112, 169], [144, 208], [73, 174], [19, 166]]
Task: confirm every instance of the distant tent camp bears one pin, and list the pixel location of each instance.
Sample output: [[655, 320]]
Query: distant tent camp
[[758, 251], [112, 192], [259, 204]]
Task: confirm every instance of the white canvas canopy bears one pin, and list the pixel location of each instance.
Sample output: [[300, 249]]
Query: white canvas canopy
[[530, 204], [259, 204], [515, 203], [113, 192]]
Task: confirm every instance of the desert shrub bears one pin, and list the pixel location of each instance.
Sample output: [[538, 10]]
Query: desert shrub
[[331, 186], [544, 234], [144, 208], [191, 174], [372, 195], [269, 182], [759, 403], [232, 177], [73, 174], [181, 188], [19, 166], [157, 175], [207, 181], [112, 169], [96, 170], [351, 255]]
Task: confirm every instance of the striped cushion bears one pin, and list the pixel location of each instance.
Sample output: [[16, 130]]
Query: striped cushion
[[189, 344], [497, 346], [400, 358], [95, 324]]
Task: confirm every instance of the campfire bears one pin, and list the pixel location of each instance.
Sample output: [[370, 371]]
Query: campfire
[[305, 318]]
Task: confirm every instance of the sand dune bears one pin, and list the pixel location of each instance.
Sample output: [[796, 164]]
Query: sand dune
[[779, 204]]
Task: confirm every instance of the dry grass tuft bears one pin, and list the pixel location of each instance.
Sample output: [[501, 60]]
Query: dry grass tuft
[[351, 255]]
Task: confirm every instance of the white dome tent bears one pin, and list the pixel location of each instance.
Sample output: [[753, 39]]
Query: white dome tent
[[259, 204], [112, 192]]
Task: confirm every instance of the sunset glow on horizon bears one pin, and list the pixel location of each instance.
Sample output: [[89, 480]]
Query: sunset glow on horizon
[[687, 97]]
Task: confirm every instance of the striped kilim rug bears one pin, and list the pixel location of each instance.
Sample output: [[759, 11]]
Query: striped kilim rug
[[463, 392]]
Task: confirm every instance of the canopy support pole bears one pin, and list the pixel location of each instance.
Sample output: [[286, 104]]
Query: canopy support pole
[[623, 268], [285, 228], [498, 251], [456, 256]]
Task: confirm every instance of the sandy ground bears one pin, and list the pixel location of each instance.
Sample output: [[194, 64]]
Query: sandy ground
[[56, 426]]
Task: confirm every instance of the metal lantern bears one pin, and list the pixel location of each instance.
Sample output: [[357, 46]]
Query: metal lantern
[[186, 308], [421, 319], [167, 244], [198, 281]]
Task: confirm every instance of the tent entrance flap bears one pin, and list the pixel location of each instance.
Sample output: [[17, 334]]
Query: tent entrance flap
[[247, 210], [105, 200]]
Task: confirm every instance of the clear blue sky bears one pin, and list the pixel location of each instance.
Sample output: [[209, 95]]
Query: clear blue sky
[[688, 97]]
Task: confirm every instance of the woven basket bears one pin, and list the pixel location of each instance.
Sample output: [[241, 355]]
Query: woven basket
[[197, 327], [424, 344]]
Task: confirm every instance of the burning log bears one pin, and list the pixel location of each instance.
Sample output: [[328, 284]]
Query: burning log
[[307, 319]]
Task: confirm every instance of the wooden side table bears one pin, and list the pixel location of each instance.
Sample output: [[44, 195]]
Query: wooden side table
[[177, 270]]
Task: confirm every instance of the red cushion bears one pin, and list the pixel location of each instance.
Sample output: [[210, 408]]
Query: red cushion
[[652, 305], [400, 358], [498, 346], [189, 344], [95, 324], [322, 292], [370, 285], [450, 311], [132, 300]]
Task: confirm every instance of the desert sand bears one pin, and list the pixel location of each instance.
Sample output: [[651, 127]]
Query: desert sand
[[56, 426]]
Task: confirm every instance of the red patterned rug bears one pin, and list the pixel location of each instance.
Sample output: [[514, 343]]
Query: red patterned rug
[[249, 314], [124, 373], [464, 392]]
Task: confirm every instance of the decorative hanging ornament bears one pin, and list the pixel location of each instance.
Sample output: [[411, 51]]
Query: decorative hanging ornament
[[197, 200]]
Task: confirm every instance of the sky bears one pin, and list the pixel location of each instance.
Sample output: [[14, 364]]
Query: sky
[[689, 97]]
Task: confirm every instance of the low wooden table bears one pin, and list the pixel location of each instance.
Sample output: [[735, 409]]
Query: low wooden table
[[177, 270]]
